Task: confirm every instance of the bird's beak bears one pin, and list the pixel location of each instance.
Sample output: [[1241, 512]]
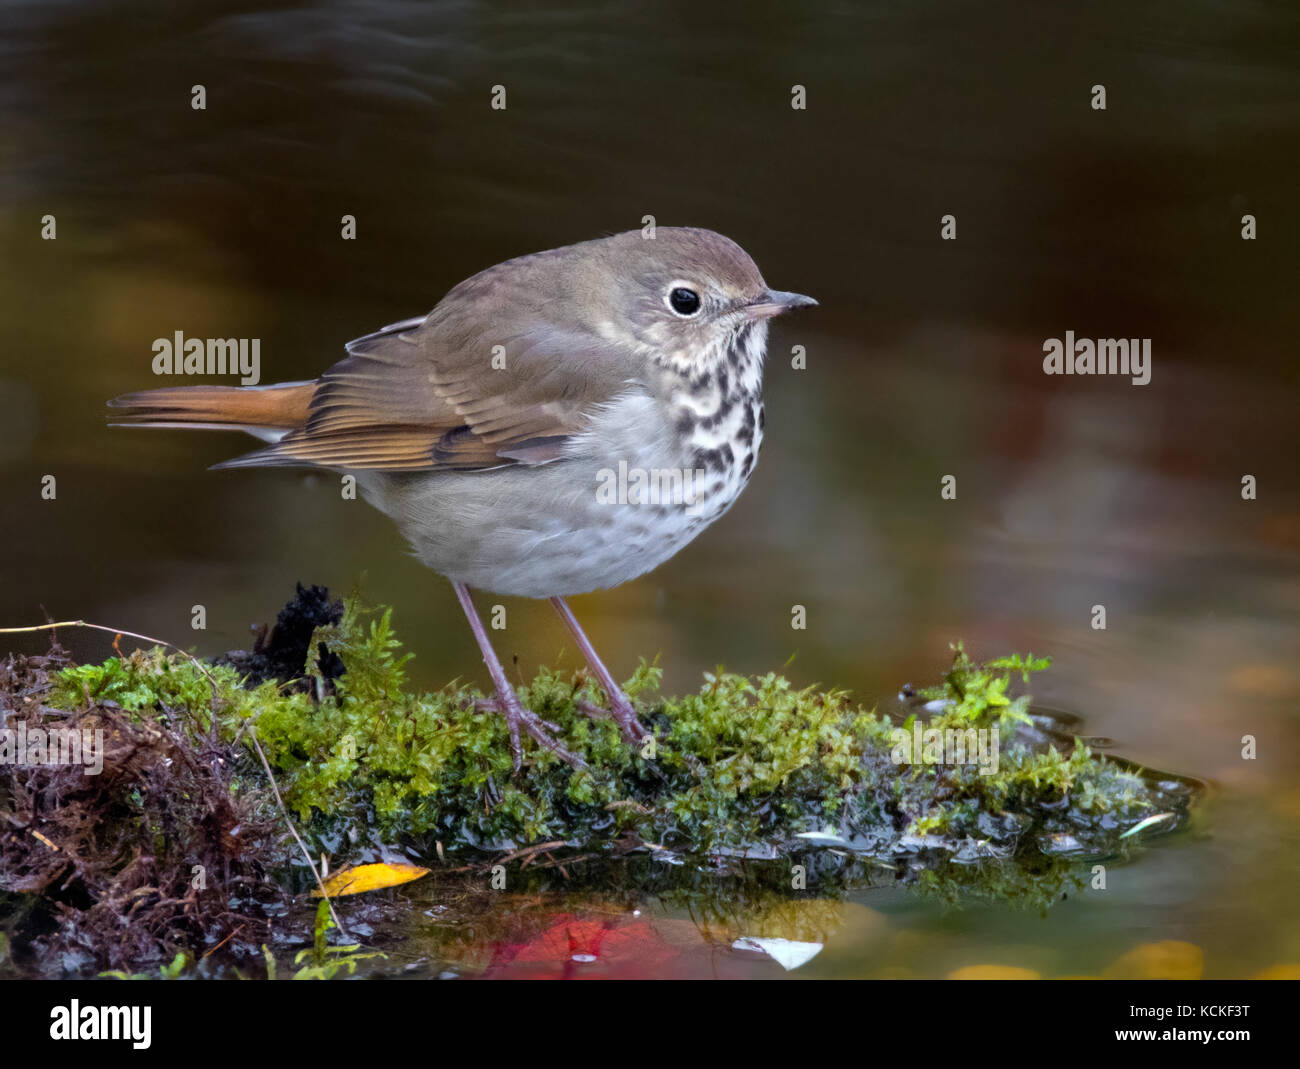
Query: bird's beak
[[774, 302]]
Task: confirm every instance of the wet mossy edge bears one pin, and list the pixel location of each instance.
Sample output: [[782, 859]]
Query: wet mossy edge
[[745, 764], [749, 777]]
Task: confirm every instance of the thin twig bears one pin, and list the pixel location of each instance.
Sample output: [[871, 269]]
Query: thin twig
[[530, 850], [233, 932], [252, 734], [119, 632]]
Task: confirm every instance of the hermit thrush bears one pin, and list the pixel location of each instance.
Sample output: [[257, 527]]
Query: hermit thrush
[[559, 423]]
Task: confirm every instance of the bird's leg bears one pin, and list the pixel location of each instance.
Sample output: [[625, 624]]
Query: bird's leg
[[507, 703], [620, 704]]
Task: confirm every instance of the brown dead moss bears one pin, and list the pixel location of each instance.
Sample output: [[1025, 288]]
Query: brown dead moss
[[161, 850]]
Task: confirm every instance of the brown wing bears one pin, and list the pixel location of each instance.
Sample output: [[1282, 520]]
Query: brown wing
[[434, 397]]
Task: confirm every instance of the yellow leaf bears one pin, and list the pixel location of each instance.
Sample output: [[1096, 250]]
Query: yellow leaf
[[359, 878]]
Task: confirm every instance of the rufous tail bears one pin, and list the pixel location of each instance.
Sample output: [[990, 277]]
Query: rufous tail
[[265, 411]]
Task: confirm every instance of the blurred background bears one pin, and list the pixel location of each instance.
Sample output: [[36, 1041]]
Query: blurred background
[[924, 359]]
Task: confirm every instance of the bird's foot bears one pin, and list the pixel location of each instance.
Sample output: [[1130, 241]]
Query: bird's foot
[[622, 713], [518, 718]]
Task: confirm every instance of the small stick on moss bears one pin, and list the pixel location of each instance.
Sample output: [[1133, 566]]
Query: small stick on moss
[[212, 680], [233, 932], [118, 633], [270, 776], [37, 835], [530, 851]]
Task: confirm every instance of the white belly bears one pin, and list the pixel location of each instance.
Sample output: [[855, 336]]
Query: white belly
[[582, 523]]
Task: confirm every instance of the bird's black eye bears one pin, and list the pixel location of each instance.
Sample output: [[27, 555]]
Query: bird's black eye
[[683, 301]]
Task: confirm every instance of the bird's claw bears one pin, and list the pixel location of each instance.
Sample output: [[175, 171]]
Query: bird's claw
[[518, 718], [622, 713]]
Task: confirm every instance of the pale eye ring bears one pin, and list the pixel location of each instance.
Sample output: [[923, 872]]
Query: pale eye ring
[[683, 299]]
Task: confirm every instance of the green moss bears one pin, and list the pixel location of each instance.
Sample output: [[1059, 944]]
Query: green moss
[[746, 764], [143, 681]]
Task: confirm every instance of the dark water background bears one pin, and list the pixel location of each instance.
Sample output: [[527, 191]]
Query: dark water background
[[923, 360]]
